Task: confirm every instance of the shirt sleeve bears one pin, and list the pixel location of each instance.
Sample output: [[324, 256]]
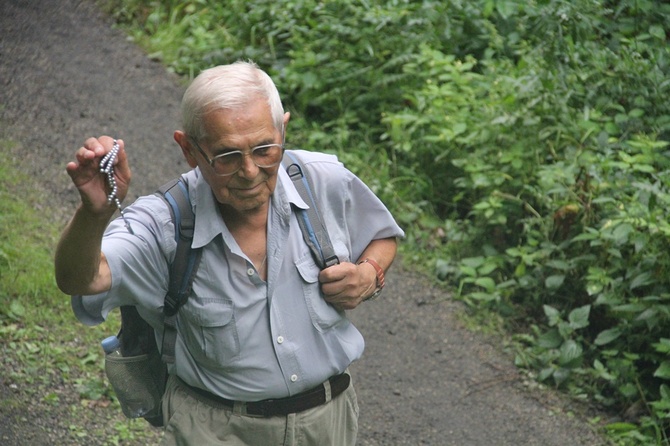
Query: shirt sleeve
[[354, 215], [138, 262]]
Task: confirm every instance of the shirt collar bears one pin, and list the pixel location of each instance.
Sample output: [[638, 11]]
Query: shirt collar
[[208, 221]]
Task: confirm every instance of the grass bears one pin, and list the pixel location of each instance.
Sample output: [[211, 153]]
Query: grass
[[35, 317], [52, 363]]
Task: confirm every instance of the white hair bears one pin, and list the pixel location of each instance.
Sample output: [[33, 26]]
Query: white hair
[[228, 87]]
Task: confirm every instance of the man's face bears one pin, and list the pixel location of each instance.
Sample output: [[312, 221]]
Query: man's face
[[249, 189]]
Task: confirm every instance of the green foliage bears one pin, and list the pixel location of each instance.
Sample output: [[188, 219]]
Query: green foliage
[[41, 343], [522, 145]]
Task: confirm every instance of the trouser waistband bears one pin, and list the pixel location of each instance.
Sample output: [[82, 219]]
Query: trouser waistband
[[309, 399]]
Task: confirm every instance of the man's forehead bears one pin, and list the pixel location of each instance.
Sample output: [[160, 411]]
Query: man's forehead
[[254, 121]]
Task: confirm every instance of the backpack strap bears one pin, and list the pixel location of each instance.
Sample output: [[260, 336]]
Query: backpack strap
[[184, 265], [186, 261], [313, 229]]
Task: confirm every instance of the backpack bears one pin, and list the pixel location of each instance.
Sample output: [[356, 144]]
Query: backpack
[[139, 374]]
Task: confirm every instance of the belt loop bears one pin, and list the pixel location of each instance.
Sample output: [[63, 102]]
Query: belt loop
[[326, 387], [240, 408]]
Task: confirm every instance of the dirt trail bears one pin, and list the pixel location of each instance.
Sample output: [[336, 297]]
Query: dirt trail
[[65, 74]]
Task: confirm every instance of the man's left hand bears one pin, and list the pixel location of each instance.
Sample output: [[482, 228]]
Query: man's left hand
[[346, 285]]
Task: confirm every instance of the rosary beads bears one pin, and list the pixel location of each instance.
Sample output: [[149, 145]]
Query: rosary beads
[[107, 167]]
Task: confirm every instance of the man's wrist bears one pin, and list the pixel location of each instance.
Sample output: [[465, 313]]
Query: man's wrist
[[101, 217], [379, 279]]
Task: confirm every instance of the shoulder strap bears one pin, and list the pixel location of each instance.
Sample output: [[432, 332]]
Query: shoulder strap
[[184, 265], [313, 229]]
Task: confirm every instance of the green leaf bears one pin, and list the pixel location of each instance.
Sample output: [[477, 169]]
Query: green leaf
[[657, 31], [468, 271], [607, 336], [621, 232], [443, 269], [641, 280], [550, 339], [459, 128], [483, 297], [545, 374], [571, 353], [629, 390], [552, 314], [594, 288], [520, 270], [644, 168], [585, 236], [621, 427], [663, 371], [561, 375], [602, 371], [579, 317], [473, 262], [630, 308], [662, 406], [505, 8], [663, 346], [649, 315], [17, 310], [665, 392], [559, 264], [487, 283], [608, 298], [487, 268], [554, 282]]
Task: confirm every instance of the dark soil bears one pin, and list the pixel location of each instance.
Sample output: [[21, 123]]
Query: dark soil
[[66, 74]]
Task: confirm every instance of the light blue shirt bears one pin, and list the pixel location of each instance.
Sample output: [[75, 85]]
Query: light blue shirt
[[239, 336]]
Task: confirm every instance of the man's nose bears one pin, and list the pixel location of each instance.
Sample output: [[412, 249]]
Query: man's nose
[[249, 168]]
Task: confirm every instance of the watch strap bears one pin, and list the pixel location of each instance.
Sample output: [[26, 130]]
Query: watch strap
[[380, 277]]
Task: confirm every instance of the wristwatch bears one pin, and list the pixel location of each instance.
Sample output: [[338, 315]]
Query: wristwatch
[[380, 278]]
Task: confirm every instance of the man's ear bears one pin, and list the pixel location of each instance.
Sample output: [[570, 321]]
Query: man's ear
[[287, 116], [186, 148]]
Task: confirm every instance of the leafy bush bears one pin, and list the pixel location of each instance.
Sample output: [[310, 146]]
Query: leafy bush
[[42, 346], [523, 145], [561, 175]]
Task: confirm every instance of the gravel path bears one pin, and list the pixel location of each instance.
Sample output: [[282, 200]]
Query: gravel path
[[65, 74]]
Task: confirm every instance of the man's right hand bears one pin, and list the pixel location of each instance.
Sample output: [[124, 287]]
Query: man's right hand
[[80, 266], [90, 182]]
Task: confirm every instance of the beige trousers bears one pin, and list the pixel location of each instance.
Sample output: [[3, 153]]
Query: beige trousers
[[191, 420]]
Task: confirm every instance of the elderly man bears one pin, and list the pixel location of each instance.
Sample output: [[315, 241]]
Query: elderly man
[[262, 322]]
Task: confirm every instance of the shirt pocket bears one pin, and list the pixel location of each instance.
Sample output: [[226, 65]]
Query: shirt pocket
[[209, 330], [324, 316]]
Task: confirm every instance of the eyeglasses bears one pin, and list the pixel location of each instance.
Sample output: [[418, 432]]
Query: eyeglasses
[[265, 156]]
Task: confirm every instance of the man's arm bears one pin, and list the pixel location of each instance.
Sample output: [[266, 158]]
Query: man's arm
[[347, 285], [80, 266]]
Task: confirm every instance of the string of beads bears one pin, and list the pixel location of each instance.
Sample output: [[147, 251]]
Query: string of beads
[[107, 168]]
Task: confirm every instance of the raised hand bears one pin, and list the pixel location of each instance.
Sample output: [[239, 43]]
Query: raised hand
[[95, 186]]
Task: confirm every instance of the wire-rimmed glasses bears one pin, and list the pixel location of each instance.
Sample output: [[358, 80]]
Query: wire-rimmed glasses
[[264, 156]]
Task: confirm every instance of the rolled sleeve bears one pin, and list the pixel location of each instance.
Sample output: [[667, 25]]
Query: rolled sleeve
[[353, 214], [138, 262]]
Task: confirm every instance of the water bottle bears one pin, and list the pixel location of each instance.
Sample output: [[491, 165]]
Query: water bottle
[[112, 346], [120, 372]]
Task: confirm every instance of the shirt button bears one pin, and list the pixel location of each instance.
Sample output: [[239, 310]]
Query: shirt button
[[251, 272], [280, 339], [294, 378]]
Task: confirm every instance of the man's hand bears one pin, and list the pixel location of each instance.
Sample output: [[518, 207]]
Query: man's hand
[[90, 182], [346, 285], [79, 264]]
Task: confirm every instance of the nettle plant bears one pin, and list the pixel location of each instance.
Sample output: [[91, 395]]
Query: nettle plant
[[615, 347], [550, 174]]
